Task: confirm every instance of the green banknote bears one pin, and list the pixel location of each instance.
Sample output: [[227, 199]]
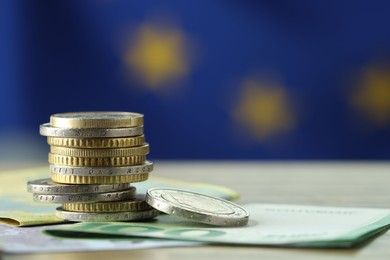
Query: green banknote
[[270, 224], [17, 207]]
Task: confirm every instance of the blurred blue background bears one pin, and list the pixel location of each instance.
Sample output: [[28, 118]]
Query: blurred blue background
[[306, 80]]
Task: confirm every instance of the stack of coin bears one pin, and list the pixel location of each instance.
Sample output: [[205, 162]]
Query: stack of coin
[[94, 158]]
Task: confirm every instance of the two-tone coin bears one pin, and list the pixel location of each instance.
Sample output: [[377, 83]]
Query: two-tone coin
[[197, 207], [102, 171], [48, 187], [86, 197], [106, 217], [134, 204], [97, 119], [47, 130]]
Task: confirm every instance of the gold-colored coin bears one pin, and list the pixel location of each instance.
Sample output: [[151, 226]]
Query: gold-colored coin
[[96, 120], [113, 206], [97, 142], [74, 179], [96, 161], [88, 152]]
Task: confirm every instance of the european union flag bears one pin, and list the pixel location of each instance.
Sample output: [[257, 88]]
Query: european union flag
[[214, 79]]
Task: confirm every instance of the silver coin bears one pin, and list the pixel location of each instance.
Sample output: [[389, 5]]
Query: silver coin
[[98, 115], [101, 171], [197, 207], [107, 216], [48, 130], [97, 119], [48, 187], [86, 197]]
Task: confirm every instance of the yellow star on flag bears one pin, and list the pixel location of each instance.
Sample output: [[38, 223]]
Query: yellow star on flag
[[372, 95], [264, 110], [158, 55]]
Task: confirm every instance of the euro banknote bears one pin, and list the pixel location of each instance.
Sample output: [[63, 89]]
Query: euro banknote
[[269, 224], [16, 240]]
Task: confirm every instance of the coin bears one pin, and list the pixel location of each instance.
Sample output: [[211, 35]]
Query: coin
[[96, 161], [96, 120], [106, 217], [48, 187], [101, 171], [197, 207], [48, 130], [135, 204], [86, 197], [96, 142], [74, 179], [90, 152]]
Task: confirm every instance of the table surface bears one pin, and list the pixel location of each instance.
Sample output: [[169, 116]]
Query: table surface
[[348, 184]]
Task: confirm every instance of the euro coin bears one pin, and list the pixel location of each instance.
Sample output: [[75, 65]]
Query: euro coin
[[102, 171], [85, 197], [106, 217], [90, 152], [197, 207], [47, 186], [96, 161], [119, 142], [136, 204], [74, 179], [48, 130], [96, 120]]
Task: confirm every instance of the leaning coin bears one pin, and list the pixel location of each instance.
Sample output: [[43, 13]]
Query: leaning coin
[[48, 187], [48, 130], [197, 207], [135, 204], [87, 197], [98, 152], [96, 119], [106, 217], [101, 171]]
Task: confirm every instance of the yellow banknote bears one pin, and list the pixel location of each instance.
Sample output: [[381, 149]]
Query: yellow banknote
[[17, 207]]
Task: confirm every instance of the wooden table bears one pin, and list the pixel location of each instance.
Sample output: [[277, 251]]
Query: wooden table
[[350, 184]]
